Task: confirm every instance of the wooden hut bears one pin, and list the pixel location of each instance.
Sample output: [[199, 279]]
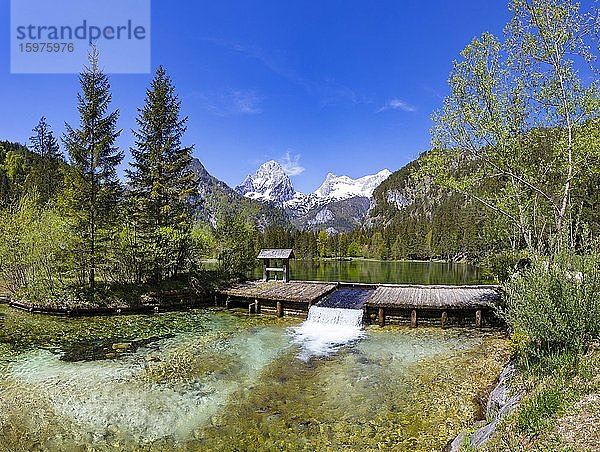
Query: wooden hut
[[282, 255]]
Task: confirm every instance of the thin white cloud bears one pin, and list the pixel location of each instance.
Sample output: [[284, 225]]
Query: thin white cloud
[[245, 102], [231, 102], [328, 90], [291, 164], [332, 93], [397, 104]]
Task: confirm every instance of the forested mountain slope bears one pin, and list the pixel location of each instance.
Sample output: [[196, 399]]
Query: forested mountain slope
[[419, 220]]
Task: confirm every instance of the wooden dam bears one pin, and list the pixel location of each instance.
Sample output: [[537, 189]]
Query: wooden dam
[[385, 303]]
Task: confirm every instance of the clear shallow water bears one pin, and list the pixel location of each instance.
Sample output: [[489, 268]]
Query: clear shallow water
[[405, 272], [217, 380]]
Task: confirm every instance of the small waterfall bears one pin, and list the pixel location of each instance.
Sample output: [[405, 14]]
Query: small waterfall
[[335, 316], [327, 329]]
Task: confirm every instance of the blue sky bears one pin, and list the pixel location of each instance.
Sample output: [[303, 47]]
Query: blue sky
[[325, 86]]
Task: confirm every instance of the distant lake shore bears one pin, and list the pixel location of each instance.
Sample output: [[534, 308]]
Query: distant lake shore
[[373, 271]]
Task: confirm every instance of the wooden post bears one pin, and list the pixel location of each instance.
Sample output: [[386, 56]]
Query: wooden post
[[286, 270], [444, 318], [216, 301], [413, 318], [381, 317], [279, 309], [227, 302], [265, 273], [256, 306], [478, 318], [251, 308]]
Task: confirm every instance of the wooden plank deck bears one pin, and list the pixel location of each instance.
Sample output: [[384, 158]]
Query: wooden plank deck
[[434, 297], [297, 291]]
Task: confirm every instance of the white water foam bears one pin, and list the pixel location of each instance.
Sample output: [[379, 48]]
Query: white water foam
[[327, 329]]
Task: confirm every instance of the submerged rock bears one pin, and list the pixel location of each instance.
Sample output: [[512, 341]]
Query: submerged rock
[[500, 399], [454, 446], [120, 346], [98, 349], [500, 404]]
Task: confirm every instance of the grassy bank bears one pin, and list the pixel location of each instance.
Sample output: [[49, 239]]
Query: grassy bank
[[112, 297], [552, 308], [560, 409]]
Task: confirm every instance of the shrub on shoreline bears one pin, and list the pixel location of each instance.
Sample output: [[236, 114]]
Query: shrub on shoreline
[[555, 303]]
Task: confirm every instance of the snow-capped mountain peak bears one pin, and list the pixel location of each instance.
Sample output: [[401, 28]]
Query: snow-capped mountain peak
[[343, 187], [339, 199], [269, 183]]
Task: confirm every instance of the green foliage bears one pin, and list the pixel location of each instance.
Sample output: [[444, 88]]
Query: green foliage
[[378, 247], [558, 409], [323, 243], [537, 411], [45, 175], [556, 302], [501, 264], [342, 245], [162, 185], [14, 166], [509, 97], [99, 242], [123, 263], [234, 246], [92, 187], [354, 249], [203, 241], [420, 220], [23, 171], [32, 248], [13, 171]]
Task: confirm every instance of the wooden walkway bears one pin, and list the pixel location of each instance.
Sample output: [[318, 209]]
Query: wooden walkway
[[296, 291], [437, 304], [434, 297]]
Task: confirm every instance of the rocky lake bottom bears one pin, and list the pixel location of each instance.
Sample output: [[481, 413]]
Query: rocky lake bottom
[[214, 380]]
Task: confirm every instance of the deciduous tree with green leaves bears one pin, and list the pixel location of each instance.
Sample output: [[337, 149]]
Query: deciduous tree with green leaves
[[32, 243], [14, 169], [508, 98], [163, 186], [322, 243], [92, 187], [234, 246]]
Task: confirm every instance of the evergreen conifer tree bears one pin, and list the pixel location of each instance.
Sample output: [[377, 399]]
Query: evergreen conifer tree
[[163, 186], [92, 187], [45, 173]]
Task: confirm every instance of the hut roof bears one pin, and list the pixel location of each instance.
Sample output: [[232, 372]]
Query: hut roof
[[276, 254]]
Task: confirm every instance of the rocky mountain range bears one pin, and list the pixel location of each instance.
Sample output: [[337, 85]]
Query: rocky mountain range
[[339, 204], [268, 184], [217, 199]]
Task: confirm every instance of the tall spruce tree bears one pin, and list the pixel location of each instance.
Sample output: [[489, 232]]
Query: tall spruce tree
[[45, 172], [163, 186], [92, 187]]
